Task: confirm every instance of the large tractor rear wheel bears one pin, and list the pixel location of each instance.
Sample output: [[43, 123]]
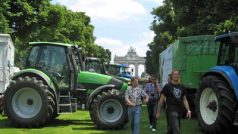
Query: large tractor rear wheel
[[215, 105], [28, 102], [108, 110]]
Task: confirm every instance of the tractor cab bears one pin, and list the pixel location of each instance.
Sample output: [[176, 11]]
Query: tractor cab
[[54, 60], [94, 64], [228, 52]]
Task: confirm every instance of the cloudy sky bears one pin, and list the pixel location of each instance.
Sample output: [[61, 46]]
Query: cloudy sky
[[118, 24]]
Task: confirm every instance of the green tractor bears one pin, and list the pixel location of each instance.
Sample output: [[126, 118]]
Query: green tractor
[[94, 64], [52, 83]]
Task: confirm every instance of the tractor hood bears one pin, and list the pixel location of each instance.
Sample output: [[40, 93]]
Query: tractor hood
[[90, 80]]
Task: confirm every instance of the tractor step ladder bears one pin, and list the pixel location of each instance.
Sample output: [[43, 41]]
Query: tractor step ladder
[[66, 104], [82, 98], [235, 123]]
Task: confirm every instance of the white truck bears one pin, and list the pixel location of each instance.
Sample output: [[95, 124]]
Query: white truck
[[7, 68]]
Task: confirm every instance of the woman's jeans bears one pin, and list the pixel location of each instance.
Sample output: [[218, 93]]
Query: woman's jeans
[[134, 114]]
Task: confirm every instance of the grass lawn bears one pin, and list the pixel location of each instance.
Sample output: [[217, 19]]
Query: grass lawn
[[80, 123]]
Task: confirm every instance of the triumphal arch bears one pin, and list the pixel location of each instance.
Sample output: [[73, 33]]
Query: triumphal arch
[[131, 58]]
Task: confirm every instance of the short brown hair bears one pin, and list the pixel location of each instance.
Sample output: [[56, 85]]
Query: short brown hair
[[134, 78]]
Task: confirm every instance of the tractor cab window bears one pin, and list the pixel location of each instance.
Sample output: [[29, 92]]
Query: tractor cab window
[[228, 54], [31, 61], [93, 66], [113, 70], [53, 61], [223, 54], [236, 54]]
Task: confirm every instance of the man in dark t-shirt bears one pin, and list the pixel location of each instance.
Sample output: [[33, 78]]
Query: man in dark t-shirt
[[174, 95]]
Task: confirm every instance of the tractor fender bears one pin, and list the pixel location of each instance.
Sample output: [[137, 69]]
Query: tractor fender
[[36, 73], [228, 73], [96, 91]]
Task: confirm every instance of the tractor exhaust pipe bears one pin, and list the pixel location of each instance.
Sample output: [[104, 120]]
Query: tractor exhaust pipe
[[1, 104]]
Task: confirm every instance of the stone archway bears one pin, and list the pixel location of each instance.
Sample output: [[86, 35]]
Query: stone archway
[[131, 58]]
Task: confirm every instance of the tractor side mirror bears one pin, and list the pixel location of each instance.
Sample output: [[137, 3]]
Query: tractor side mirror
[[234, 38], [58, 76]]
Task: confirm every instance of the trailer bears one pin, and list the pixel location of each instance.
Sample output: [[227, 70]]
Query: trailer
[[192, 56]]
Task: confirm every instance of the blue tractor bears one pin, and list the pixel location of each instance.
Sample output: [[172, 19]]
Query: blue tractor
[[124, 71], [217, 95], [119, 70]]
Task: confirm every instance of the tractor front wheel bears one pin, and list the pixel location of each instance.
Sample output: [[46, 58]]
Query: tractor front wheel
[[108, 110]]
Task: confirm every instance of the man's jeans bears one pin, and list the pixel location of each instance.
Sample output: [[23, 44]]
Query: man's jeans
[[173, 122], [152, 109], [134, 114]]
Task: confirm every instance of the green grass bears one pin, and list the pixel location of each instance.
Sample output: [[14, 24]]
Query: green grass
[[80, 123]]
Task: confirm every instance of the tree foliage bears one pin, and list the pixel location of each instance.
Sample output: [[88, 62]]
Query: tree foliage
[[27, 20], [180, 18], [4, 26]]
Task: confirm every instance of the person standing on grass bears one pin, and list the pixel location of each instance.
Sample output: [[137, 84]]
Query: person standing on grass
[[133, 98], [175, 96], [153, 89]]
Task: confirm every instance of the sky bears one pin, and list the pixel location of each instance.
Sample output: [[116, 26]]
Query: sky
[[119, 24]]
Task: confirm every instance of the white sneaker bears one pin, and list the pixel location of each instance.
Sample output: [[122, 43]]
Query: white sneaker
[[150, 126], [153, 130]]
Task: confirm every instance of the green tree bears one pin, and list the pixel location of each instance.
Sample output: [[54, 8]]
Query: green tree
[[179, 18], [4, 27], [28, 20], [22, 17], [148, 63]]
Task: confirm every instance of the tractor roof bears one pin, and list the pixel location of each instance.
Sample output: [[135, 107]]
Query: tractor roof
[[123, 65], [51, 43], [119, 65], [92, 58], [228, 37], [113, 64]]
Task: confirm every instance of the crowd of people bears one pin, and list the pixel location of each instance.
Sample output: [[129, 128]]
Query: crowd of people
[[172, 97]]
